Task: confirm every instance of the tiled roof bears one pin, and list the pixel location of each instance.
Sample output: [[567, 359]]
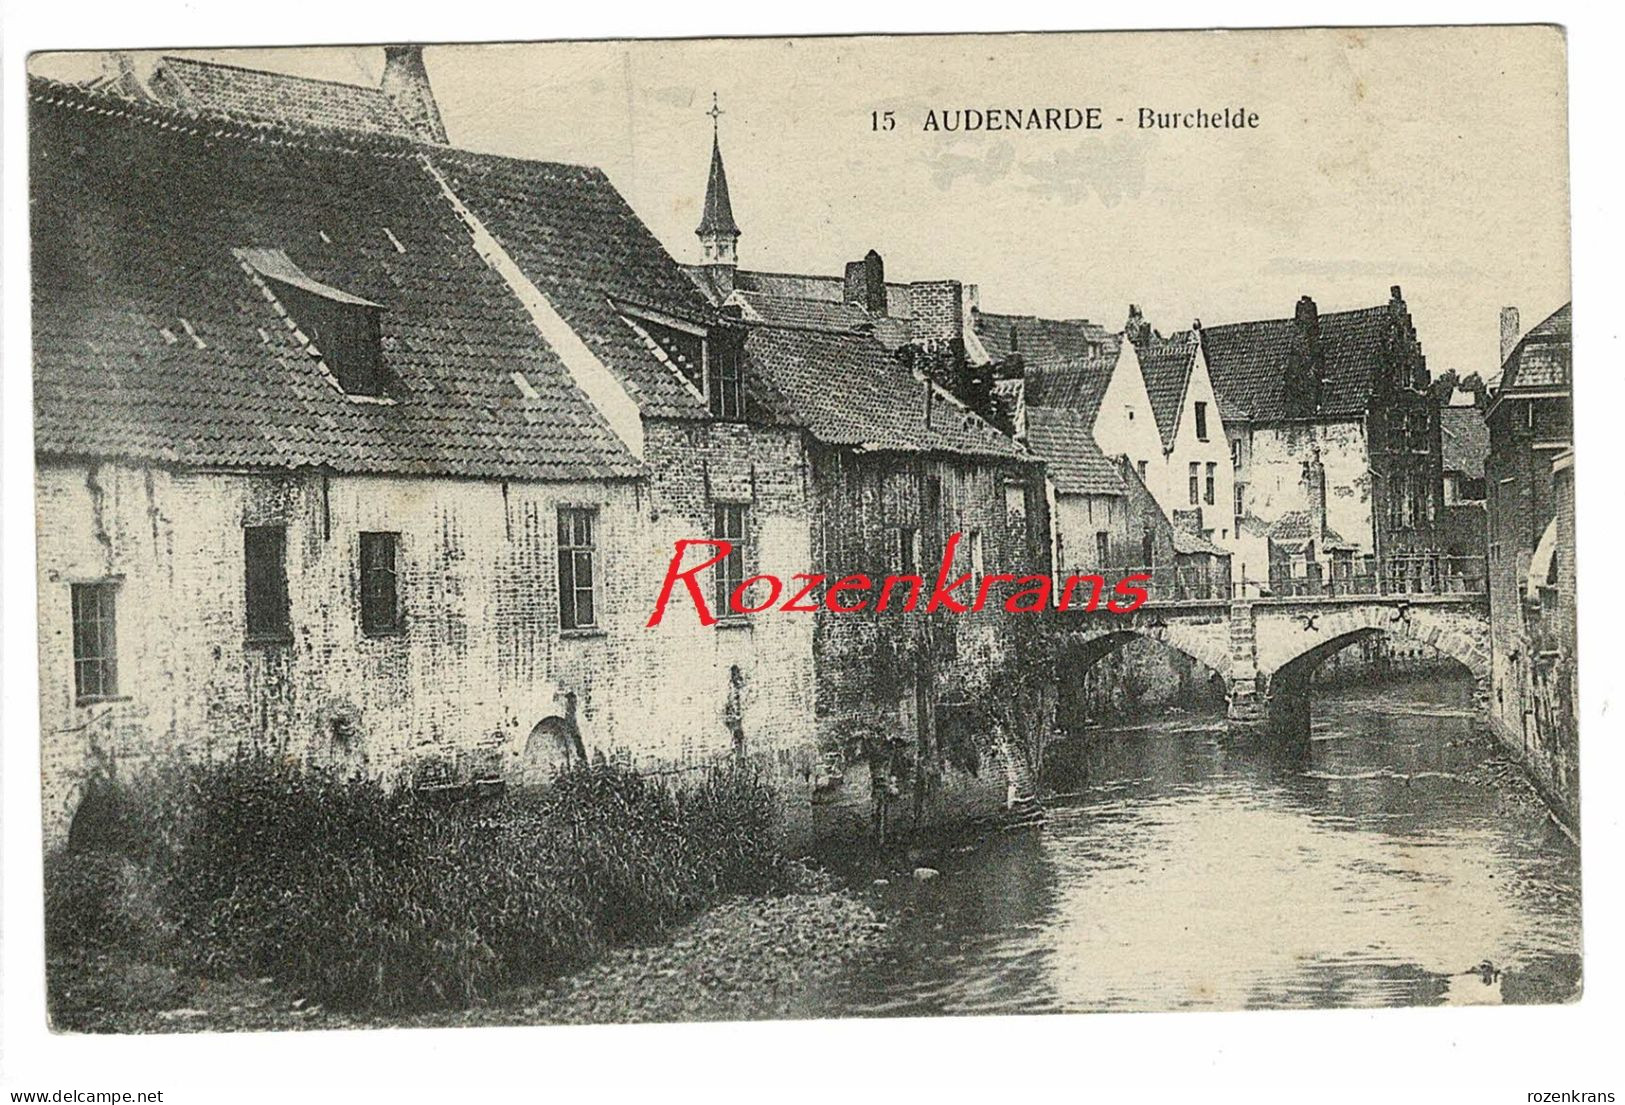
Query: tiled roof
[[578, 241], [1042, 342], [1079, 386], [1165, 364], [1296, 527], [152, 340], [1192, 543], [1248, 362], [848, 389], [239, 93], [819, 314], [1073, 462], [1464, 437], [1543, 359]]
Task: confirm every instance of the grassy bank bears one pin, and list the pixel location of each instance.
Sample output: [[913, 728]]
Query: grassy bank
[[366, 902]]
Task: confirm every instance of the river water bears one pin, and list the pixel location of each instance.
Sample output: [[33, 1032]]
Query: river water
[[1391, 858]]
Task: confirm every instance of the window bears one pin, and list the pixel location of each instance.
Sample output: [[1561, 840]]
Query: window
[[265, 575], [1129, 411], [1201, 422], [1235, 453], [1015, 501], [578, 569], [1238, 493], [727, 396], [978, 563], [1212, 473], [1103, 549], [1196, 483], [95, 651], [380, 588], [1141, 466], [729, 523], [1148, 551], [903, 551], [340, 328]]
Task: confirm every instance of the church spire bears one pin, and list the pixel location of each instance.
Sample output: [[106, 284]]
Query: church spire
[[718, 233]]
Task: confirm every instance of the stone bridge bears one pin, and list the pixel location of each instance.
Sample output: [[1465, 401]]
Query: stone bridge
[[1266, 649]]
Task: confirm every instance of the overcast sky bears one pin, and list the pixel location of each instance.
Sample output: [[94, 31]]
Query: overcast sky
[[1433, 159]]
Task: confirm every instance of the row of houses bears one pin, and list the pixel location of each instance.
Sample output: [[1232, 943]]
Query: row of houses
[[1528, 486], [374, 451]]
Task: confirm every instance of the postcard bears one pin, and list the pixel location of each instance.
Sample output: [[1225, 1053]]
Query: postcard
[[624, 531]]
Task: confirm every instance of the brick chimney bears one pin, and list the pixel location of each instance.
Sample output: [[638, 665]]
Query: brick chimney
[[1509, 333], [1307, 317], [1137, 330], [939, 310], [406, 83], [118, 67], [866, 283]]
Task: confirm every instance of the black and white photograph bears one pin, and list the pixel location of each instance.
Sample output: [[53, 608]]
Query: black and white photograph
[[755, 529]]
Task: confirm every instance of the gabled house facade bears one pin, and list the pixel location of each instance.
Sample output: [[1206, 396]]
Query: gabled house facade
[[1197, 474], [1334, 417]]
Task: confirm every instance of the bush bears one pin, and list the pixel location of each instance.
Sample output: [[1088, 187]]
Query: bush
[[369, 899], [95, 901]]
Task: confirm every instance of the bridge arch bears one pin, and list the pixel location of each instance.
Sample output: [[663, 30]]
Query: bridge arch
[[1205, 641]]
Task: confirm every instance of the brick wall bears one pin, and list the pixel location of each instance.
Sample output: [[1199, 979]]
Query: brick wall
[[1533, 693], [898, 690], [937, 310]]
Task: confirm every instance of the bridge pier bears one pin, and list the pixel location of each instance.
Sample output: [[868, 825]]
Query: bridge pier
[[1247, 705]]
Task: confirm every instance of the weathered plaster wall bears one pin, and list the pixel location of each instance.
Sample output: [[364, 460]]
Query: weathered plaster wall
[[1124, 424], [1275, 483], [906, 681], [480, 662], [1173, 491]]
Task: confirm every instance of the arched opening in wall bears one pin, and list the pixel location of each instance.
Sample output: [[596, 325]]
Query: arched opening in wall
[[1132, 707], [553, 746], [1357, 672], [1128, 676]]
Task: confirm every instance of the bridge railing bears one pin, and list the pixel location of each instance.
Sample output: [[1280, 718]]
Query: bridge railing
[[1182, 582], [1410, 574]]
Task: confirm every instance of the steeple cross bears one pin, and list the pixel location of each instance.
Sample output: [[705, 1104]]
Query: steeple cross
[[715, 113]]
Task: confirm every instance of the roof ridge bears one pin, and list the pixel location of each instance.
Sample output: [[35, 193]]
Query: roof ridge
[[1322, 315], [48, 90], [271, 73], [55, 93]]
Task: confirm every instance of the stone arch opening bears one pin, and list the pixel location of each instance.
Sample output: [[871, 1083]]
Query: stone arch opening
[[1290, 685], [1125, 672], [553, 746]]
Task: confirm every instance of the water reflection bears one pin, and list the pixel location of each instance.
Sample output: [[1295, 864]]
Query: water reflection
[[1373, 863]]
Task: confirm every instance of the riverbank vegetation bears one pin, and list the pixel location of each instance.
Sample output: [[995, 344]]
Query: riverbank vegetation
[[371, 901]]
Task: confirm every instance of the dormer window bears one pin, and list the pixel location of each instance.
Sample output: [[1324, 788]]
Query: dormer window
[[340, 330], [684, 349], [709, 360]]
